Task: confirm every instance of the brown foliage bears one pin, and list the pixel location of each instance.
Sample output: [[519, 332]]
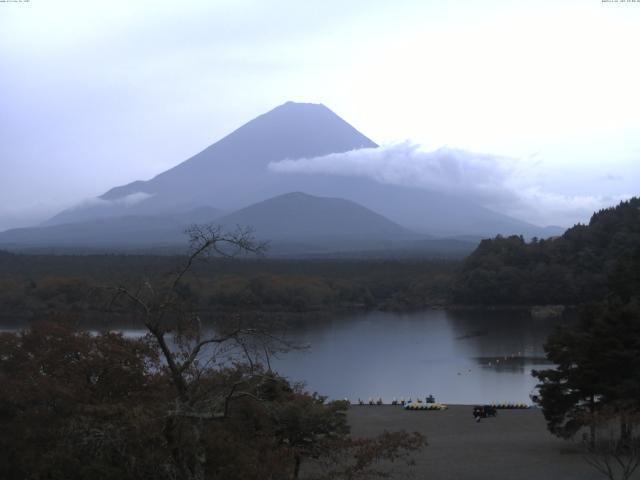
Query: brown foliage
[[75, 405]]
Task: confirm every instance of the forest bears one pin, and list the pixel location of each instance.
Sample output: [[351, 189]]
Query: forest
[[35, 285], [586, 263]]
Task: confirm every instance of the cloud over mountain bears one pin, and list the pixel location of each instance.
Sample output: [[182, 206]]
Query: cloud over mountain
[[125, 201], [446, 169], [508, 185]]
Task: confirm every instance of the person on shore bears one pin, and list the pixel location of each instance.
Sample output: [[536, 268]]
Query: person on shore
[[478, 413]]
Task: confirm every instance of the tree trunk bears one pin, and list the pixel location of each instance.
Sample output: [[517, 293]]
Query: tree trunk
[[592, 425], [184, 438], [296, 467], [625, 430], [200, 453]]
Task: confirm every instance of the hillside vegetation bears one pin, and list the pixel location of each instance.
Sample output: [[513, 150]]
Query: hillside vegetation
[[35, 285], [587, 263]]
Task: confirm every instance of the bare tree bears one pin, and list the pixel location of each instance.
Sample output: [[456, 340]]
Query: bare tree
[[190, 351], [209, 369], [615, 452]]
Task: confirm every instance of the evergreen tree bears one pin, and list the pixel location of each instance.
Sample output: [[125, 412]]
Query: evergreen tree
[[598, 368]]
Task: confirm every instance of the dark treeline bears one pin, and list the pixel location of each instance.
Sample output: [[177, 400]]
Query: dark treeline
[[32, 285], [585, 264]]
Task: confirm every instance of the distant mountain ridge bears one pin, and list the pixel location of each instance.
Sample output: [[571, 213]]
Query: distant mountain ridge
[[293, 223], [125, 231], [292, 130], [232, 173], [232, 177], [318, 222]]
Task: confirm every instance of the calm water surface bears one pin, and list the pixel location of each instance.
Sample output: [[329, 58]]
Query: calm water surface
[[458, 356]]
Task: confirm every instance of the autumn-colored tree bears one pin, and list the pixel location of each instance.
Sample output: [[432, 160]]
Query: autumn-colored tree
[[185, 402], [65, 393], [207, 391], [81, 406]]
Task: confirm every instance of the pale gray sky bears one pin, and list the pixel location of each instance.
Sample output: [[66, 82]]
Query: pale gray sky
[[96, 94]]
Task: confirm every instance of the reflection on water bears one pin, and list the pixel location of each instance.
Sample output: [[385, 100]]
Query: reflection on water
[[458, 356], [515, 363]]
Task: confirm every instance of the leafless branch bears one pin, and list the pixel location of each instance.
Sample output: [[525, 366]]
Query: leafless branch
[[195, 351], [135, 298]]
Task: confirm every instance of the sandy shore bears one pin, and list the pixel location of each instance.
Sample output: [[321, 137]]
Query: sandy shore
[[513, 445]]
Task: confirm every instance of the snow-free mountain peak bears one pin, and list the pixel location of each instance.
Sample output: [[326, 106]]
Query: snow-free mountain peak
[[232, 172], [292, 130], [296, 216]]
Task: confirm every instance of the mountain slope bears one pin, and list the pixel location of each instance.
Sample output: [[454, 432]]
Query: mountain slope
[[129, 231], [294, 223], [133, 230], [423, 211], [298, 216], [233, 173], [292, 130]]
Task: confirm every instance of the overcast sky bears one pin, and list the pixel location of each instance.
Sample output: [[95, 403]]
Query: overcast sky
[[97, 94]]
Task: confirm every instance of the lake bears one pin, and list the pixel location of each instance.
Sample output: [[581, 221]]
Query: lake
[[459, 356]]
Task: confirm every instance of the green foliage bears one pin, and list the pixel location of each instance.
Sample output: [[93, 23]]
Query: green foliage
[[587, 263], [598, 367], [33, 286]]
